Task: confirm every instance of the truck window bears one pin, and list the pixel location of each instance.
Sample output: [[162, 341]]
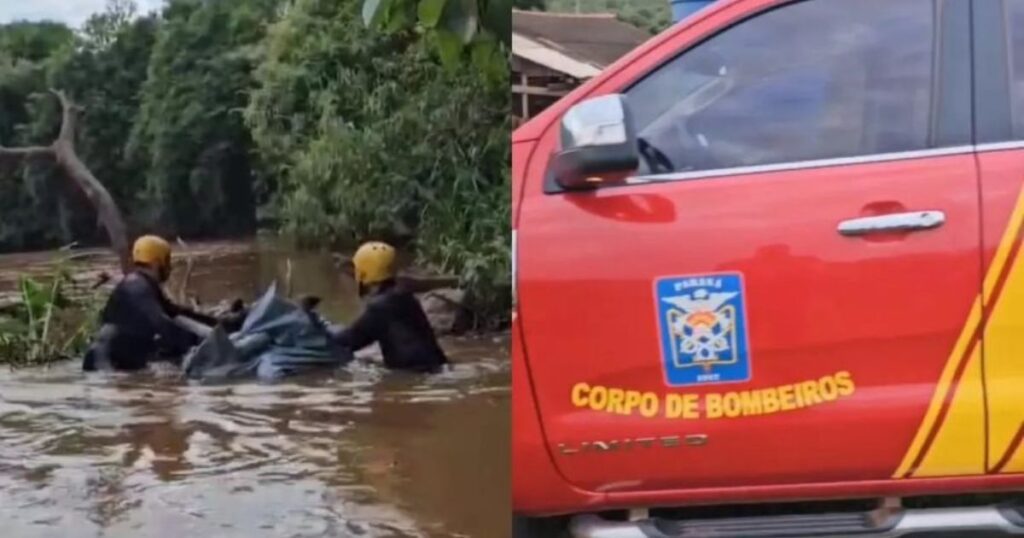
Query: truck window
[[811, 80], [1015, 19]]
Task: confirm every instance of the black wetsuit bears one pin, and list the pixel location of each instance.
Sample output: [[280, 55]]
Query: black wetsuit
[[395, 319], [138, 324]]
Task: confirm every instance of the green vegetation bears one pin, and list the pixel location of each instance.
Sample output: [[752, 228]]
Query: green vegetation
[[45, 325], [355, 157], [189, 131], [213, 119], [651, 15], [456, 29]]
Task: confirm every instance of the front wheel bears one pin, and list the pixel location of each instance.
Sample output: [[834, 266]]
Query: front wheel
[[530, 527]]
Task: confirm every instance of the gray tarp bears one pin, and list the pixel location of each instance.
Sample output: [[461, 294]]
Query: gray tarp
[[278, 339]]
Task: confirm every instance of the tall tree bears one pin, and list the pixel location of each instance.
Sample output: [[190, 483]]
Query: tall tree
[[369, 136], [33, 41], [105, 75], [25, 52], [190, 128]]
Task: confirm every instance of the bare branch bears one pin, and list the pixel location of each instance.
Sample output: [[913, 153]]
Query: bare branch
[[69, 119], [31, 151], [63, 149]]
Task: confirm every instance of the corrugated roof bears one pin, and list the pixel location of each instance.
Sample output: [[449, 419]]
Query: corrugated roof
[[597, 39]]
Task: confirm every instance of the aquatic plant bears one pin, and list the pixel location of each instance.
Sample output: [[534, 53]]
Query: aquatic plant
[[45, 324]]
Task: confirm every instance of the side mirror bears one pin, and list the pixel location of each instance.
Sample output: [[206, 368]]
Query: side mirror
[[598, 144]]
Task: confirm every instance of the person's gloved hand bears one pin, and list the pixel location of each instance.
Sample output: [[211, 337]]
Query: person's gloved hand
[[309, 302], [233, 319]]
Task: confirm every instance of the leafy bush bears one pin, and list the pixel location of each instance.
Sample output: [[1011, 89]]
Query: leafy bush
[[45, 325], [368, 136], [456, 29]]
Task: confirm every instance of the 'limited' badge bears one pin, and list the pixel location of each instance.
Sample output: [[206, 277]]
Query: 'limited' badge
[[703, 329]]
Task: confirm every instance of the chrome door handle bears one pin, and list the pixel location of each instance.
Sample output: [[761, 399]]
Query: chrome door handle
[[896, 222]]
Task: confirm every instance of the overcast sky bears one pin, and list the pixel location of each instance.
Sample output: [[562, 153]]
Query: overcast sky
[[72, 12]]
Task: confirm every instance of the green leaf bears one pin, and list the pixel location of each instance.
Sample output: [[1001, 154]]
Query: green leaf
[[374, 11], [497, 18], [430, 12], [462, 19], [398, 20], [449, 48], [34, 299], [484, 55]]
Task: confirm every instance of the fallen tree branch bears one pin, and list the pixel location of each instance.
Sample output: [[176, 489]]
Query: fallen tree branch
[[34, 151], [106, 209], [63, 151]]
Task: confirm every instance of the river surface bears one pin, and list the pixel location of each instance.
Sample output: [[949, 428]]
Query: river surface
[[361, 452]]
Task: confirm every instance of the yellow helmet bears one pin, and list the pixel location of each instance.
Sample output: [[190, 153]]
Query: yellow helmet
[[374, 263], [152, 251]]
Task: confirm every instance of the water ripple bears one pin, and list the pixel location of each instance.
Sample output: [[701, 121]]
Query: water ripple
[[352, 454]]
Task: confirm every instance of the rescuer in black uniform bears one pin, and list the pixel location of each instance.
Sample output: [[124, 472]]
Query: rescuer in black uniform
[[138, 321], [393, 316]]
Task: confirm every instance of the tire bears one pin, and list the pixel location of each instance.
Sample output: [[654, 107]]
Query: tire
[[528, 527]]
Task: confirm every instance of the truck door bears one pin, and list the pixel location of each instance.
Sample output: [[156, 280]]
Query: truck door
[[1000, 132], [778, 293]]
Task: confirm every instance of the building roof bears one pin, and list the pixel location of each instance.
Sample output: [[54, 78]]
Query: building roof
[[596, 40], [551, 58]]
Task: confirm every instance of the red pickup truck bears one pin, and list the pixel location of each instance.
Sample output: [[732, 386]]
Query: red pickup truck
[[768, 278]]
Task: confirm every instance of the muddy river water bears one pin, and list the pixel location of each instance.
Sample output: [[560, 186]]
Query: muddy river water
[[361, 452]]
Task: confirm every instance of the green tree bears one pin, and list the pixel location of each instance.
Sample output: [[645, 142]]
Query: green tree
[[24, 49], [25, 52], [103, 29], [105, 76], [103, 69], [369, 137], [457, 29], [33, 41], [190, 127]]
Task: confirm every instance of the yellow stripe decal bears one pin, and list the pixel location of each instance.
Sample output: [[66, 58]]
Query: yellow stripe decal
[[1005, 246], [942, 389], [963, 407]]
